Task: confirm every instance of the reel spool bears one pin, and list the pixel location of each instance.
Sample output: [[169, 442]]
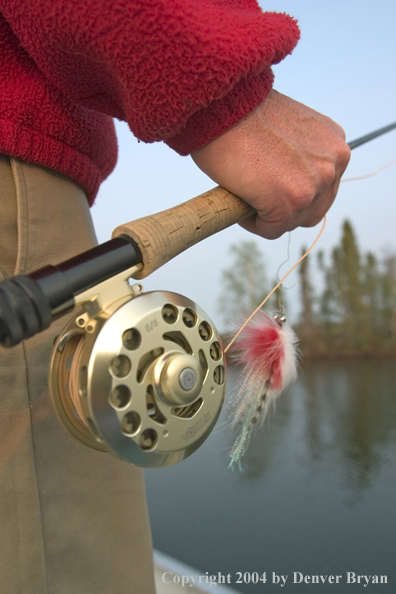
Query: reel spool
[[143, 378]]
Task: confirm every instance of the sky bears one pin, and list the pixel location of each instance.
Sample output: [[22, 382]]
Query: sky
[[345, 67]]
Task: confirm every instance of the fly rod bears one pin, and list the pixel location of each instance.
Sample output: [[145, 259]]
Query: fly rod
[[28, 303]]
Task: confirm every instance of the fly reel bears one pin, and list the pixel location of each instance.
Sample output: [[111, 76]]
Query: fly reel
[[140, 376]]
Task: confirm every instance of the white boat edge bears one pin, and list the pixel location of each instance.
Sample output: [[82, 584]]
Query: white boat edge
[[171, 577]]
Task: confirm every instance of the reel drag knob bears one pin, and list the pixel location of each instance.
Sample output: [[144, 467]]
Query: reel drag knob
[[178, 378], [143, 379]]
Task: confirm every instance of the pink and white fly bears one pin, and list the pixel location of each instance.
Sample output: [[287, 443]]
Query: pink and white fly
[[267, 350]]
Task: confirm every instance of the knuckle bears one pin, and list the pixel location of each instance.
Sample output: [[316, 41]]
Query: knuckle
[[327, 173], [341, 132], [302, 194], [344, 154], [338, 130]]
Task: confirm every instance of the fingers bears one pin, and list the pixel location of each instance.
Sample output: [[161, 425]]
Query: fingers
[[258, 226], [323, 200], [311, 211], [307, 217]]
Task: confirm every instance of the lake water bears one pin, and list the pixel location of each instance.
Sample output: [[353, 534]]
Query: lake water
[[317, 494]]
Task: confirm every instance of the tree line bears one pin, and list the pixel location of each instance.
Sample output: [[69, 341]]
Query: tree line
[[349, 312]]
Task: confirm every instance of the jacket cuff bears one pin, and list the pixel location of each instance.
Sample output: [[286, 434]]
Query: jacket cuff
[[221, 114]]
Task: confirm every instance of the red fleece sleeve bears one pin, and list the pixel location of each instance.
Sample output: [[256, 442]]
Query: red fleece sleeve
[[182, 71]]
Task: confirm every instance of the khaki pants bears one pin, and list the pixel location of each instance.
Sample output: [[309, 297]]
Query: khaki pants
[[72, 520]]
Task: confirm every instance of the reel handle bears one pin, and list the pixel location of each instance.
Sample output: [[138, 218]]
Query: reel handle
[[164, 235]]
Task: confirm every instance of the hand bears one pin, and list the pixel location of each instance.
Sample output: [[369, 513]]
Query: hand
[[284, 159]]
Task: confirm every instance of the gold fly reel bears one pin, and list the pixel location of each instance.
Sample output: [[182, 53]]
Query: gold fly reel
[[143, 378]]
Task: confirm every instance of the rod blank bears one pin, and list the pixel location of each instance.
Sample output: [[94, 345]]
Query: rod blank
[[363, 139]]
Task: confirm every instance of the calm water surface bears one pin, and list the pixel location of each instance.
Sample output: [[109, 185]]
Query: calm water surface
[[317, 494]]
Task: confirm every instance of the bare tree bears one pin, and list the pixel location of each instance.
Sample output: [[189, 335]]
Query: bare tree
[[244, 283]]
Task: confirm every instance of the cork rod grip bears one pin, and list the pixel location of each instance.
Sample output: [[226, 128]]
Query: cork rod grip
[[164, 235]]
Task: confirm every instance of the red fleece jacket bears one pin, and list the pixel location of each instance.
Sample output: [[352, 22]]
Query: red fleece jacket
[[181, 71]]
